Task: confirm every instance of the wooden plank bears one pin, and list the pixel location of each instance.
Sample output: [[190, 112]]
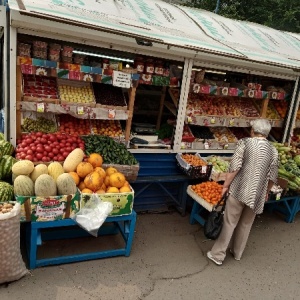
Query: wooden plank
[[263, 112], [161, 107]]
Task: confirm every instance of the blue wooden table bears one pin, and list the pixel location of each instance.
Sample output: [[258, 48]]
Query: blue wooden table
[[115, 224]]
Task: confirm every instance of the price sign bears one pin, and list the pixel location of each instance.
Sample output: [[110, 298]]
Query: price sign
[[206, 145], [80, 110], [212, 121], [278, 196], [111, 113], [189, 119], [40, 107], [231, 122], [204, 169], [121, 79], [226, 146]]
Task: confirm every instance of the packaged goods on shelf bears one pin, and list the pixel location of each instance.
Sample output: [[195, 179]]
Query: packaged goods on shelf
[[76, 93], [39, 89], [24, 50]]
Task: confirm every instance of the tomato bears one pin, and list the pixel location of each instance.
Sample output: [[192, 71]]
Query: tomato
[[23, 155], [55, 151], [29, 152], [35, 159], [40, 149], [52, 138], [29, 157], [39, 156], [45, 158], [55, 143], [50, 154], [60, 158], [28, 141], [45, 136], [68, 144], [39, 134], [69, 149], [19, 141], [26, 149], [44, 141], [54, 158], [33, 148], [48, 148], [65, 154]]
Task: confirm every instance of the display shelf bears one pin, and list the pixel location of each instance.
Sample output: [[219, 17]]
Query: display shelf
[[77, 111], [236, 92]]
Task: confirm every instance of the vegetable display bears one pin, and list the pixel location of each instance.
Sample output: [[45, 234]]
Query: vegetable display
[[210, 191], [111, 151]]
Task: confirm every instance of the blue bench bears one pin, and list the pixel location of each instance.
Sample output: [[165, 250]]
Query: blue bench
[[67, 228], [160, 181]]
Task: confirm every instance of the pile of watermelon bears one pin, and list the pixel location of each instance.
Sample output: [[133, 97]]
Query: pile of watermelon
[[6, 163]]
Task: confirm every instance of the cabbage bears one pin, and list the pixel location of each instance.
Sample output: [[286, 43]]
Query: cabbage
[[297, 160]]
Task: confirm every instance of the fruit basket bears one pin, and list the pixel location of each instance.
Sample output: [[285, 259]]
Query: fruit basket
[[108, 96], [39, 89], [196, 172], [79, 93]]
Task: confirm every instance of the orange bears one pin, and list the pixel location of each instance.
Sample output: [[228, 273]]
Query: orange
[[125, 189], [75, 177], [111, 170], [87, 191], [95, 159], [112, 189]]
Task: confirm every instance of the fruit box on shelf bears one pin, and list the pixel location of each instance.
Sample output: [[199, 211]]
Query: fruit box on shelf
[[197, 198], [78, 93], [217, 175], [39, 209], [122, 202], [130, 171], [199, 172]]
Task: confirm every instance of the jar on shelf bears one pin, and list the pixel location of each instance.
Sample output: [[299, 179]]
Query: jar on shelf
[[149, 67], [159, 68], [139, 64]]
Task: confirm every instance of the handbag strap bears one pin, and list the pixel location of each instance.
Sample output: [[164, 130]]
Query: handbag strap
[[224, 198]]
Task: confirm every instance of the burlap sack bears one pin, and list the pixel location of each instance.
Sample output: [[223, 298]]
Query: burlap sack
[[12, 266]]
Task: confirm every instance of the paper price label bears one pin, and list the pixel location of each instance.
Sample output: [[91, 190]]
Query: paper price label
[[40, 107], [231, 122], [226, 146], [212, 121], [111, 113], [204, 169], [80, 110], [278, 196], [206, 145], [189, 120]]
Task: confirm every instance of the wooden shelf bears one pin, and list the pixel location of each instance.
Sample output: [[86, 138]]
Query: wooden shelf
[[171, 107]]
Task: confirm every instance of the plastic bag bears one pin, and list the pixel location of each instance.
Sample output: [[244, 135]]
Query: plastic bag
[[12, 266], [93, 214]]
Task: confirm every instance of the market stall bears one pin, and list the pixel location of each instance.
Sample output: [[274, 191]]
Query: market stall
[[117, 79]]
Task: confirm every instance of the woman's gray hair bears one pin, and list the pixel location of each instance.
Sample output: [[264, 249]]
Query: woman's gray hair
[[261, 126]]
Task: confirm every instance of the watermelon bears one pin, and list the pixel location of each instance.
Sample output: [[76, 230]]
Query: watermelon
[[2, 136], [6, 192], [7, 147], [6, 164]]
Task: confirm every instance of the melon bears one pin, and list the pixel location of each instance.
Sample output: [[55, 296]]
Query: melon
[[65, 184], [73, 159], [23, 186], [45, 186], [23, 167], [55, 169], [37, 171], [6, 192]]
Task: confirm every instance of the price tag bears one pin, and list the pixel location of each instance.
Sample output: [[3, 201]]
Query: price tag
[[40, 107], [212, 121], [231, 122], [204, 169], [206, 145], [278, 196], [189, 119], [226, 146], [111, 113], [80, 110]]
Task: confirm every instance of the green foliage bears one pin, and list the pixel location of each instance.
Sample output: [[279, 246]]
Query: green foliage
[[278, 14]]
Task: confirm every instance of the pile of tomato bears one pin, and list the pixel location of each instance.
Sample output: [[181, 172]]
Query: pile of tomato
[[210, 191], [38, 146]]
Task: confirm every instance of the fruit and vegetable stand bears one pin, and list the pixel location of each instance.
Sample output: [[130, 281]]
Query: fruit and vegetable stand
[[73, 101]]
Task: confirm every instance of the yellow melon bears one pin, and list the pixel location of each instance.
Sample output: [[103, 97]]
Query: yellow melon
[[125, 189], [101, 171], [95, 159], [93, 181], [111, 170], [112, 189], [87, 191], [117, 179]]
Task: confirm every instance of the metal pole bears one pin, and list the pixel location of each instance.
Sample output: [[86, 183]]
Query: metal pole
[[217, 7]]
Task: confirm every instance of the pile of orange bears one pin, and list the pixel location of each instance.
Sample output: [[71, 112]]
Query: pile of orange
[[90, 177], [194, 160], [210, 191]]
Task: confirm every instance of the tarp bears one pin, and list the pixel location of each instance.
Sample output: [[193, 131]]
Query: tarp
[[172, 25]]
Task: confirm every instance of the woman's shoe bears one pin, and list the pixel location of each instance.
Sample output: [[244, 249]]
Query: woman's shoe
[[216, 261], [231, 252]]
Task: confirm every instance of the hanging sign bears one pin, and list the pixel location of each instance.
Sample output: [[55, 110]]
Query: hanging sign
[[40, 107], [121, 79]]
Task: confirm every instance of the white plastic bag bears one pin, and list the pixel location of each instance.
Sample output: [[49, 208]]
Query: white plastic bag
[[93, 214], [12, 266]]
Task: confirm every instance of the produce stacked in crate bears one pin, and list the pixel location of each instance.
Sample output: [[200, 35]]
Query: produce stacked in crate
[[34, 122], [110, 128], [72, 125], [230, 107], [281, 106], [247, 108], [220, 167], [76, 92], [39, 88], [109, 96], [240, 132], [225, 137], [271, 112], [209, 191]]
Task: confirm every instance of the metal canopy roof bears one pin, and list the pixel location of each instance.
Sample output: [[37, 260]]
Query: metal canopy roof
[[172, 25]]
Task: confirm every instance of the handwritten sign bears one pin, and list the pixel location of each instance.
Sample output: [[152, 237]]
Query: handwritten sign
[[121, 79], [40, 107]]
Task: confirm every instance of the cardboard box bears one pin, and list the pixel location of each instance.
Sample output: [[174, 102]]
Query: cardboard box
[[122, 202], [38, 209]]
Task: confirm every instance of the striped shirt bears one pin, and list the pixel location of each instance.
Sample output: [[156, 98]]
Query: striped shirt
[[257, 162]]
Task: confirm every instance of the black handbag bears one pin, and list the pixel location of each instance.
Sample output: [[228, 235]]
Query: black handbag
[[213, 224]]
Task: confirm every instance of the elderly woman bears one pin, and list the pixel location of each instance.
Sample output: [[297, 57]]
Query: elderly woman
[[252, 173]]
